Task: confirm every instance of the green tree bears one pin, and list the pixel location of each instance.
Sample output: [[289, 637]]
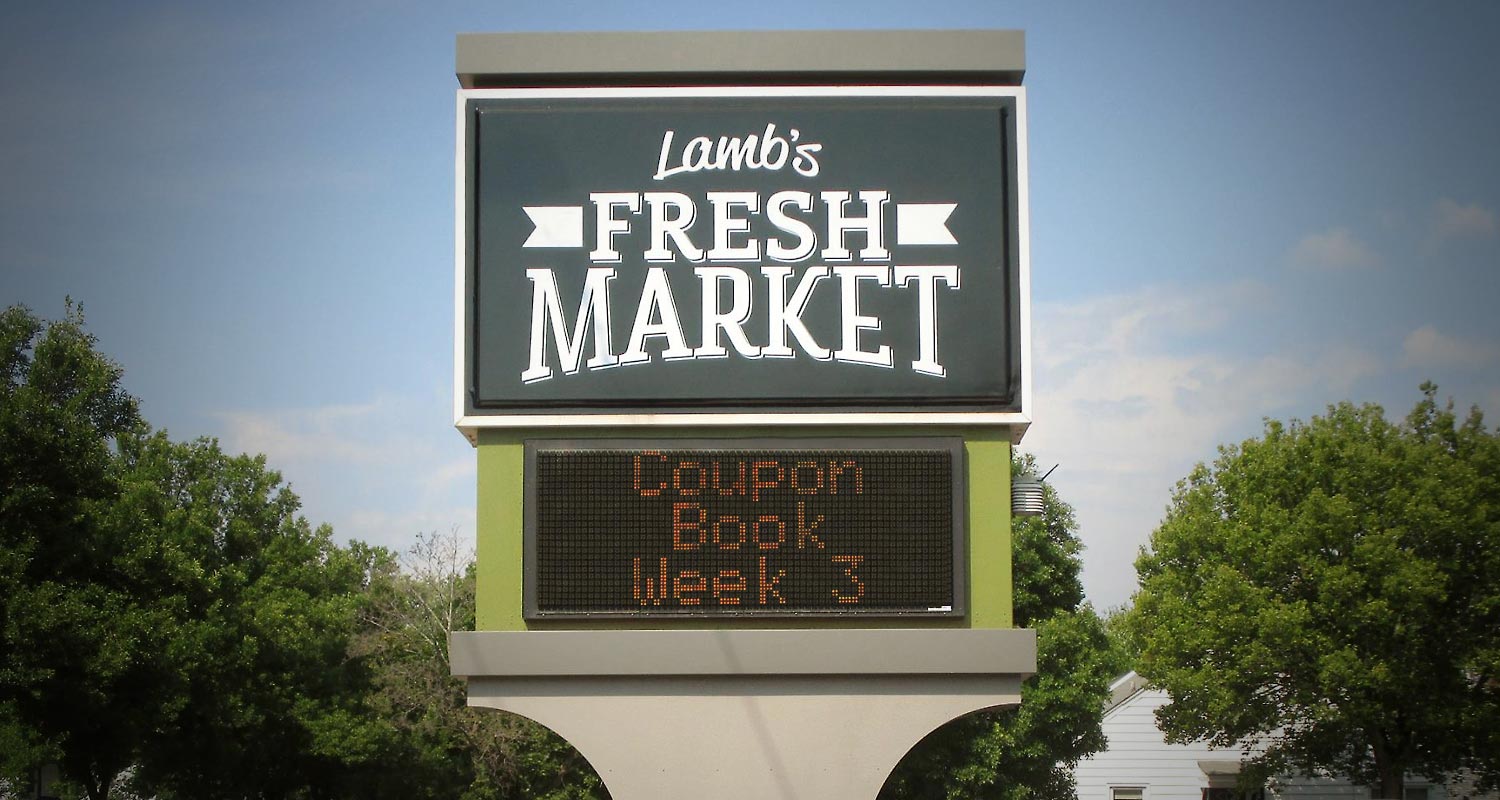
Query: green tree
[[1124, 636], [1331, 591], [1027, 752], [165, 615], [67, 634], [457, 751], [257, 610]]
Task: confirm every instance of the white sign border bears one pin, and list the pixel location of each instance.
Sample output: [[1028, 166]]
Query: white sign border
[[469, 425]]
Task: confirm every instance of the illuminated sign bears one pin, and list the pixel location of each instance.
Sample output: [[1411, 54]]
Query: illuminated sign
[[744, 527], [739, 250]]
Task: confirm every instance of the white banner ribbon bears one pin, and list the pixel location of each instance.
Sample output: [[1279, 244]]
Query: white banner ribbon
[[556, 226], [924, 223]]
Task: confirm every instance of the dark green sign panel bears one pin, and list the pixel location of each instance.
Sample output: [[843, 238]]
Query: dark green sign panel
[[766, 249], [744, 528]]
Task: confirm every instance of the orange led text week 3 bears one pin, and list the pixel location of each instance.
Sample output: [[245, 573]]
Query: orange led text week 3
[[655, 583], [655, 475]]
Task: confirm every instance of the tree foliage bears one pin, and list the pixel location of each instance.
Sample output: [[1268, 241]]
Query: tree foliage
[[255, 609], [452, 750], [1123, 633], [166, 618], [68, 632], [1331, 591], [1027, 752]]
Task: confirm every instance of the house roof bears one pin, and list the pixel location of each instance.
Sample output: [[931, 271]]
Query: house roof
[[1124, 687]]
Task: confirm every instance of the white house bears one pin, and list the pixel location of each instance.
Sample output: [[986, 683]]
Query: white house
[[1139, 764]]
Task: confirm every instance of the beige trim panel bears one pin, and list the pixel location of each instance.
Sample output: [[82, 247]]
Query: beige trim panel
[[514, 58], [743, 652]]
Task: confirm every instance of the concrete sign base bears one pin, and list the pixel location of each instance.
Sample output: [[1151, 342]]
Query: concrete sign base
[[744, 715]]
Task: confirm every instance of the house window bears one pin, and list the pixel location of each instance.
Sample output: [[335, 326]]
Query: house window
[[1127, 793], [1231, 793], [1415, 793]]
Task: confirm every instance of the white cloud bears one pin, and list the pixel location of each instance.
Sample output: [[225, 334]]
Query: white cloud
[[458, 473], [1453, 221], [1131, 390], [380, 471], [398, 530], [1427, 347], [327, 433], [1104, 325], [1334, 249]]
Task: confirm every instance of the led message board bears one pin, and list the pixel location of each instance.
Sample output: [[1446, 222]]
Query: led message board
[[744, 527], [734, 250]]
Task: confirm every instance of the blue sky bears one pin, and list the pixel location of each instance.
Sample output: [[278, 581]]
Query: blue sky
[[1238, 211]]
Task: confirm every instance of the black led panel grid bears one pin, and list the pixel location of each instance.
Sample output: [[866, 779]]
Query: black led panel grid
[[744, 527]]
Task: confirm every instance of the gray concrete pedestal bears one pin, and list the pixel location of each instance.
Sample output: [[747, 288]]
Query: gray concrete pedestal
[[744, 715]]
